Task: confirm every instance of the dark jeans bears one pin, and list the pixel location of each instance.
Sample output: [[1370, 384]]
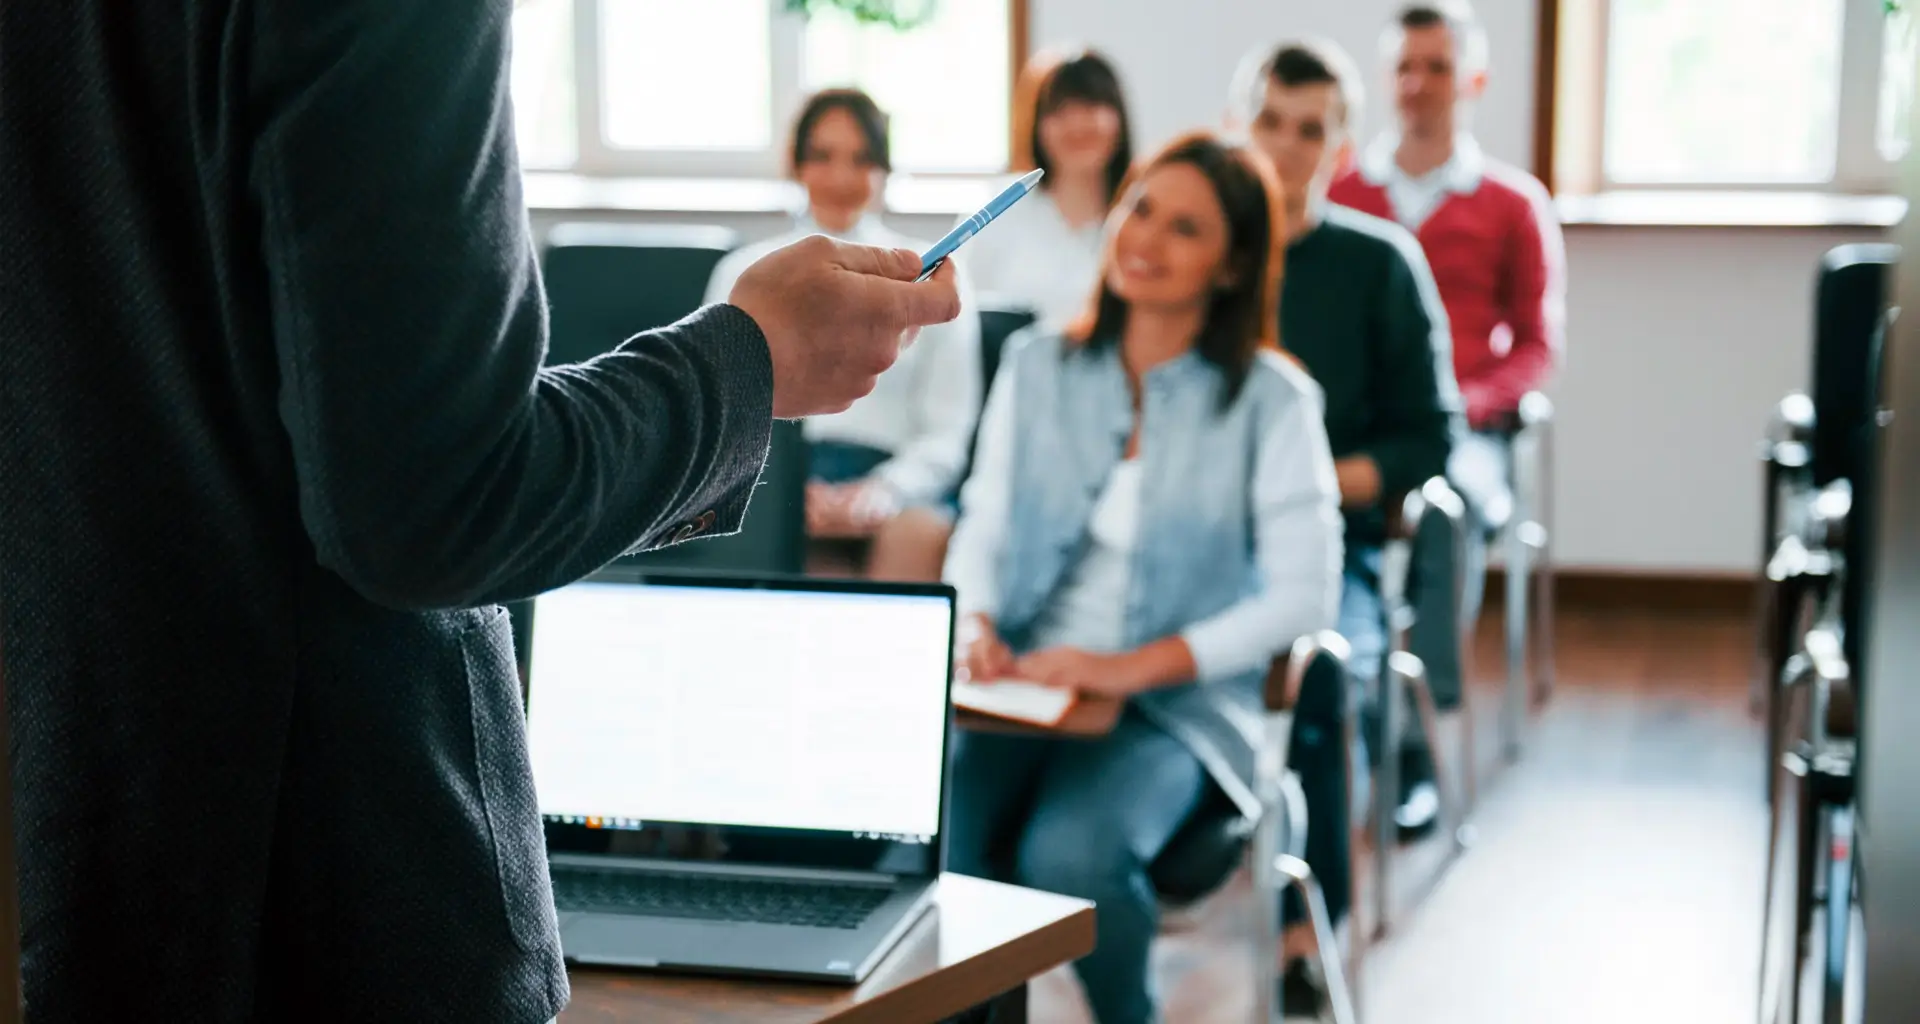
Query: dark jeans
[[1083, 818], [838, 462], [1318, 752]]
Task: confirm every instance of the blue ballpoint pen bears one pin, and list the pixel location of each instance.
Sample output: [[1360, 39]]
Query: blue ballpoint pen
[[969, 227]]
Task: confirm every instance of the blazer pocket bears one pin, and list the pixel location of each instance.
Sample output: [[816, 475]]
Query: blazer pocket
[[506, 779]]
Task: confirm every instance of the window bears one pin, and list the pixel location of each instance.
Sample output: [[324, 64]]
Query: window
[[1773, 94], [543, 113], [707, 87]]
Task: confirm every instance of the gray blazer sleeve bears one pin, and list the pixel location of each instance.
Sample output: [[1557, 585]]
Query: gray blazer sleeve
[[438, 464]]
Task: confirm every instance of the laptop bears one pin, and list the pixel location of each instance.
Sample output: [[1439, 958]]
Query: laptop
[[740, 775]]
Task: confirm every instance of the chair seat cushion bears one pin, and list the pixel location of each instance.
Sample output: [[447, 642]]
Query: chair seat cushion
[[1205, 853]]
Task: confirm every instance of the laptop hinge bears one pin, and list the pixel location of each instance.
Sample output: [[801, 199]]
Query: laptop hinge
[[601, 862]]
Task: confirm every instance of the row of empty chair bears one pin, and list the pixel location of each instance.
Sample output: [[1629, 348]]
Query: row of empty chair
[[1820, 473]]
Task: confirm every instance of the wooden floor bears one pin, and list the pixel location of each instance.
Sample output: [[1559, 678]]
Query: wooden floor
[[1615, 873]]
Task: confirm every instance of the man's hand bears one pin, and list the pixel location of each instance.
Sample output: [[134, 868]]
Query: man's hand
[[983, 654], [840, 511], [1070, 668], [836, 315], [1359, 478]]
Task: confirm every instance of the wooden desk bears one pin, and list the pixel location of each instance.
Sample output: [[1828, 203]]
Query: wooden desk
[[1087, 719], [981, 942]]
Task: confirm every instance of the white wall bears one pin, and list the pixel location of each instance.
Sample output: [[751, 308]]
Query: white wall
[[1680, 339]]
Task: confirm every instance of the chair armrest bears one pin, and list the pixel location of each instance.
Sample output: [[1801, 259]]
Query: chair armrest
[[1789, 437], [1403, 514], [1288, 672], [1406, 512], [1835, 713], [1826, 521], [1536, 411]]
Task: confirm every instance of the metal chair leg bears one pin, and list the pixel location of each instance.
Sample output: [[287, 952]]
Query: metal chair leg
[[1542, 484], [1513, 709], [1541, 632], [1386, 792], [1300, 878], [1359, 941]]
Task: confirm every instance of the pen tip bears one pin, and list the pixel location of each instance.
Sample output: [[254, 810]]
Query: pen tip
[[1033, 177]]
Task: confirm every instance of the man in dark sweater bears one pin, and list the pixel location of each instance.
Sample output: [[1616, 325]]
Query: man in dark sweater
[[274, 440], [1358, 306]]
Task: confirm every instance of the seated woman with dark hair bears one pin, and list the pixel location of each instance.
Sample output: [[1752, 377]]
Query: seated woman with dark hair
[[1044, 254], [886, 469], [1152, 516]]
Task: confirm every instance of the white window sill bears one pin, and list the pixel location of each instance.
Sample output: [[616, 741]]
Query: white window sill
[[578, 193], [1731, 209], [565, 192]]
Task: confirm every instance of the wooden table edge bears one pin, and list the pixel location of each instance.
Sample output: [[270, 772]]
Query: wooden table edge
[[979, 979]]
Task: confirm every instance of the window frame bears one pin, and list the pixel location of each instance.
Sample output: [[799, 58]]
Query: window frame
[[1570, 147], [594, 156]]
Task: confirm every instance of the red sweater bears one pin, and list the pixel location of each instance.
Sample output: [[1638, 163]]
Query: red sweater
[[1500, 263]]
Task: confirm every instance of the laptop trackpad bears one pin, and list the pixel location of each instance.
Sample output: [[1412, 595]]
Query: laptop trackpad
[[645, 941]]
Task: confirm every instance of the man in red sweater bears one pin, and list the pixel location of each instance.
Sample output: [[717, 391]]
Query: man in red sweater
[[1488, 228], [1491, 237]]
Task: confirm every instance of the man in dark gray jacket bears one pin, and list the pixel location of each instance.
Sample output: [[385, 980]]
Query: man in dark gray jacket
[[274, 441]]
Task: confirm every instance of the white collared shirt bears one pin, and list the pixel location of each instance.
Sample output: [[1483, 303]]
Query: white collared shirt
[[1031, 258], [1415, 199], [923, 409]]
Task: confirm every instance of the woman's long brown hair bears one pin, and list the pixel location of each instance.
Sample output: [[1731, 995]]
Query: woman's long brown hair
[[1244, 317]]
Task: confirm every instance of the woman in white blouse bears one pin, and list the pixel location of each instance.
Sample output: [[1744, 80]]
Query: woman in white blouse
[[885, 470], [1043, 255]]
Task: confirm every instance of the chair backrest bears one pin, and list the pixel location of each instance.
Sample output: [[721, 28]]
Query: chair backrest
[[1861, 545], [1211, 845], [1849, 300], [996, 326], [608, 282]]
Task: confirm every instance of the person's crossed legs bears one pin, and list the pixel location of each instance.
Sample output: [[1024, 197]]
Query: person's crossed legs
[[1085, 819]]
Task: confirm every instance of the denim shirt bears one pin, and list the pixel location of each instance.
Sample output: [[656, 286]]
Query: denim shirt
[[1238, 549]]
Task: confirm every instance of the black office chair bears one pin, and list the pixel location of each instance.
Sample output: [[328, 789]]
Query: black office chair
[[1218, 838], [1824, 475], [608, 282], [1813, 441], [1850, 300], [997, 324]]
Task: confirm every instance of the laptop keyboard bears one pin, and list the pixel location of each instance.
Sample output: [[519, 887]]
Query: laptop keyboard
[[716, 898]]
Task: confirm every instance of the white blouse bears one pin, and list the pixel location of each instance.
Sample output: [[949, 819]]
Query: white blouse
[[1031, 258], [923, 408], [1089, 611]]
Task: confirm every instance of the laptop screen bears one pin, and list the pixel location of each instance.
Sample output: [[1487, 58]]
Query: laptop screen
[[815, 708]]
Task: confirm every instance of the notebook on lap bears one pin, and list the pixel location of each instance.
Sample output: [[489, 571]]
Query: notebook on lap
[[740, 775]]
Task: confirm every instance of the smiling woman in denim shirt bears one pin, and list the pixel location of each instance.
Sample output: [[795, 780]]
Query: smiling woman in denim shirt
[[1153, 515]]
